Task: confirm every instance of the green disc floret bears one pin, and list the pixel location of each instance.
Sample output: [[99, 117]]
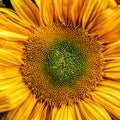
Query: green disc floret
[[64, 63]]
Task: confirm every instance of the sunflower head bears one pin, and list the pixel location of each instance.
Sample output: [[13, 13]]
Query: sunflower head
[[59, 60]]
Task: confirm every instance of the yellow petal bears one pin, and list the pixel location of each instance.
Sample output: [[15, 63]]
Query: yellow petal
[[70, 113], [37, 111], [40, 4], [112, 48], [13, 97], [9, 25], [24, 110], [12, 36], [27, 10], [77, 112], [74, 9], [11, 15], [8, 59], [66, 112], [111, 36], [8, 72], [110, 92], [54, 112], [9, 82], [79, 106], [112, 64], [106, 22], [112, 75], [67, 11], [60, 114], [111, 84], [91, 8], [46, 10], [46, 113], [110, 101], [12, 47], [112, 67], [59, 7], [112, 57], [93, 111]]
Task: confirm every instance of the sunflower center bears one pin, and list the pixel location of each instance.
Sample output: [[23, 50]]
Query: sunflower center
[[64, 63]]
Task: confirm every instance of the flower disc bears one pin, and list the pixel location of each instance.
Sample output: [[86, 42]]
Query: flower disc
[[62, 64]]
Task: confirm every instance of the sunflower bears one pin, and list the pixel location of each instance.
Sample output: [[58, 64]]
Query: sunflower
[[60, 60]]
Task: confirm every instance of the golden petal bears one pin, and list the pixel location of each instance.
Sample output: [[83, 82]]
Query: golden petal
[[46, 113], [70, 113], [112, 75], [112, 57], [91, 8], [112, 48], [13, 47], [54, 112], [8, 59], [13, 97], [37, 111], [46, 11], [65, 113], [110, 101], [11, 15], [74, 9], [11, 113], [113, 66], [77, 112], [111, 36], [24, 110], [113, 117], [8, 72], [114, 69], [38, 2], [27, 10], [110, 91], [9, 25], [106, 22], [66, 11], [111, 84], [93, 111], [59, 7], [60, 114], [9, 82], [12, 36], [40, 5]]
